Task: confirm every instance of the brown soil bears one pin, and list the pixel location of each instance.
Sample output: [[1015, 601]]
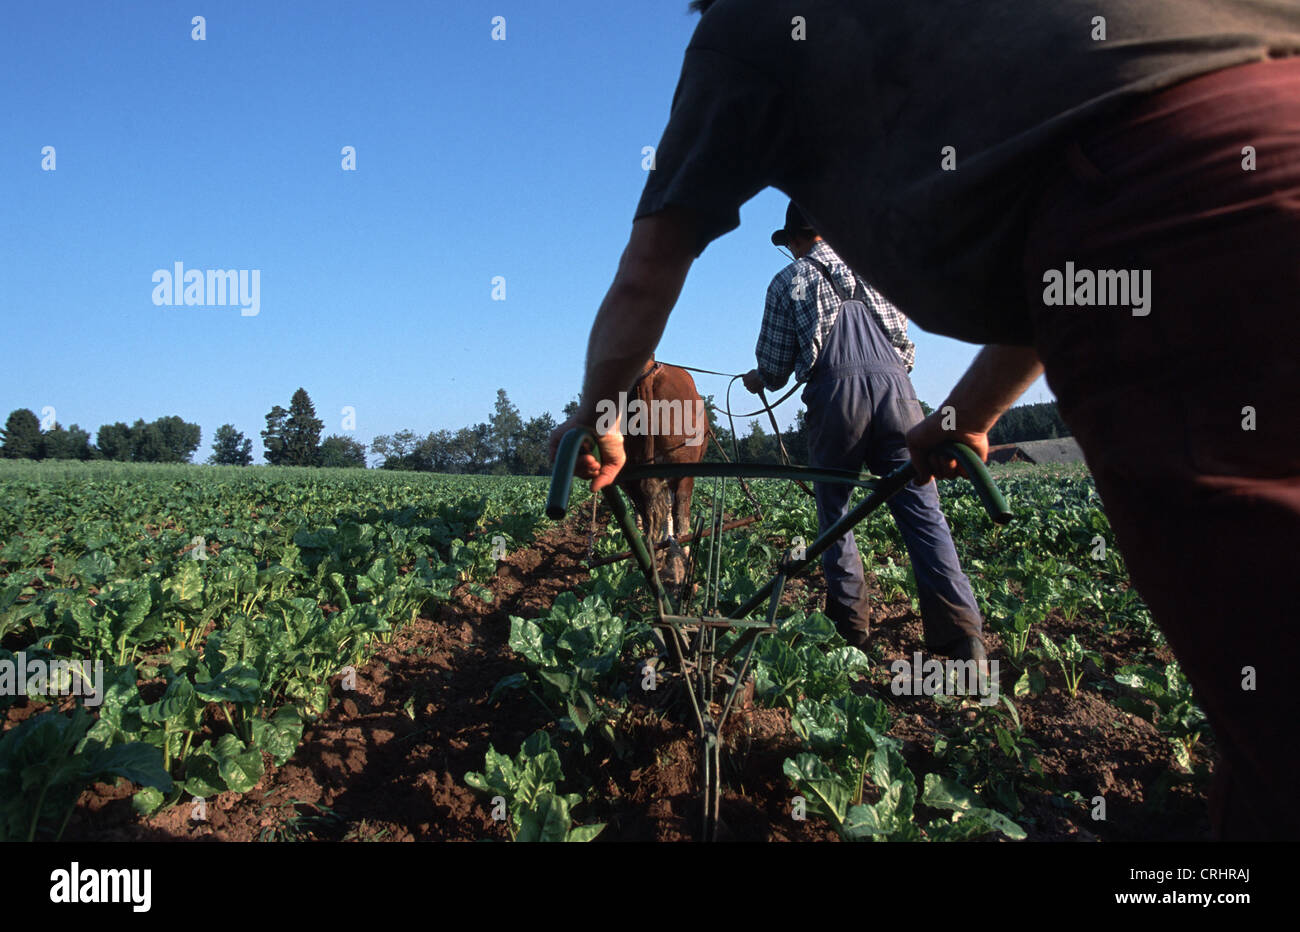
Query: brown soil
[[387, 761]]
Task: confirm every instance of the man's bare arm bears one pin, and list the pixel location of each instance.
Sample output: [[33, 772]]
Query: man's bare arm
[[628, 326], [635, 311], [996, 378]]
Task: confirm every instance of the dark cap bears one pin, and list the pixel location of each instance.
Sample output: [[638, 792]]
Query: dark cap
[[795, 222]]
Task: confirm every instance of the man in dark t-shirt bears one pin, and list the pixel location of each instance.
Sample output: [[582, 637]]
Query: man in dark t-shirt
[[910, 133], [1105, 189]]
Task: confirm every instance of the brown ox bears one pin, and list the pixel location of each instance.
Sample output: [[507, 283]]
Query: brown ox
[[666, 423]]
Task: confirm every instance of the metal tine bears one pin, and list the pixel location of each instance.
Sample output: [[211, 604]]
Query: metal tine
[[744, 664], [690, 565], [715, 545], [712, 548]]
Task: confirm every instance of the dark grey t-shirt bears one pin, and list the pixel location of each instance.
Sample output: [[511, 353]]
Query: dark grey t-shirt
[[852, 121]]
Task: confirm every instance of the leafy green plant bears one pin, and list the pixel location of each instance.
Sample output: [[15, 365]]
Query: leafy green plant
[[47, 760], [1071, 657], [573, 653], [1070, 599], [895, 581], [1016, 634], [970, 817], [992, 754], [745, 561], [1031, 681], [1164, 698], [1122, 607], [805, 658], [527, 786], [830, 794], [849, 753]]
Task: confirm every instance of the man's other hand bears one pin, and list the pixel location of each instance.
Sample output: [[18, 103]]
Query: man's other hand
[[925, 438], [602, 472], [753, 381], [996, 378]]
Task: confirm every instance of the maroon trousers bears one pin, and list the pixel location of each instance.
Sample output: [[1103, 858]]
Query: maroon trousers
[[1189, 415]]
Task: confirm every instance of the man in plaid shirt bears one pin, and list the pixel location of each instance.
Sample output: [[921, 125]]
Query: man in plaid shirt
[[850, 346]]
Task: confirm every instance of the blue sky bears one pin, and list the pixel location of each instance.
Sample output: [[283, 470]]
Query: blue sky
[[475, 158]]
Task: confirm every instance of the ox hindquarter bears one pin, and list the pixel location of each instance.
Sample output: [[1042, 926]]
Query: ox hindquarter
[[666, 425]]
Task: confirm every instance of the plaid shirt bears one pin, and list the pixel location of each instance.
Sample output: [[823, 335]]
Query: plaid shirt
[[801, 309]]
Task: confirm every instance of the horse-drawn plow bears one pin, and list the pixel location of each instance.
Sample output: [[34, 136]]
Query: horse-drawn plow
[[690, 626]]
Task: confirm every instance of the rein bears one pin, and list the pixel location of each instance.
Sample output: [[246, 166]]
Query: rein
[[767, 407]]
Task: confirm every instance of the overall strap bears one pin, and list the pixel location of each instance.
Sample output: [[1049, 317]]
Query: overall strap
[[839, 290], [856, 343]]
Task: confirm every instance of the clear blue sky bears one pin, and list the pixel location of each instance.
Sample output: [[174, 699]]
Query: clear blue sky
[[475, 158]]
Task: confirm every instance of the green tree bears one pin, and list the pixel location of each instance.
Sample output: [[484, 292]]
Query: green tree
[[507, 426], [796, 440], [70, 444], [460, 451], [342, 452], [165, 440], [1040, 421], [721, 433], [273, 436], [534, 455], [231, 447], [472, 449], [302, 431], [437, 451], [380, 447], [759, 446], [148, 445], [397, 450], [114, 442], [81, 442], [177, 438], [22, 436]]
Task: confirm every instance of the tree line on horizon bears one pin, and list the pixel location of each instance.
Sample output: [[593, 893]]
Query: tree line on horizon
[[1040, 421], [504, 444], [292, 438], [164, 440], [507, 444]]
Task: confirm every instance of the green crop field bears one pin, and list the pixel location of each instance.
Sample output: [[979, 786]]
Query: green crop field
[[224, 602], [214, 596]]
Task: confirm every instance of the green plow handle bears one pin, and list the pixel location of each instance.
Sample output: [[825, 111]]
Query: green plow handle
[[978, 474], [566, 457]]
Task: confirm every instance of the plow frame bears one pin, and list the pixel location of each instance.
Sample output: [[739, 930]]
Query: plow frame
[[700, 671]]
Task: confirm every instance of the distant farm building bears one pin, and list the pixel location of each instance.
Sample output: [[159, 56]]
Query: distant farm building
[[1061, 450]]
